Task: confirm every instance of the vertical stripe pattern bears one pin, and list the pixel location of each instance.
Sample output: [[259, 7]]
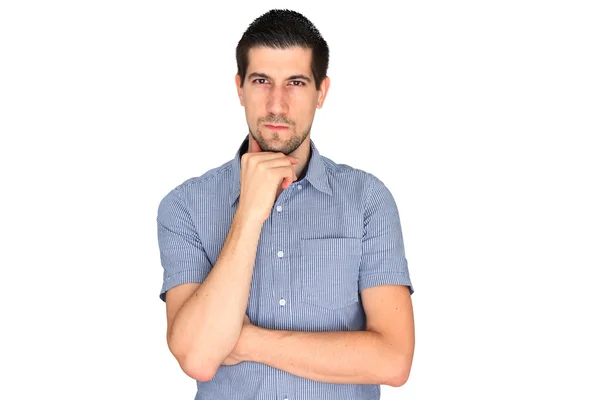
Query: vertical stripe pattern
[[330, 235]]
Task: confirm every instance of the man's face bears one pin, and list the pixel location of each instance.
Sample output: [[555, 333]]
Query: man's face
[[279, 89]]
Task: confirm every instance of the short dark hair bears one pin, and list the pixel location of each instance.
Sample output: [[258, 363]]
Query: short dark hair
[[281, 29]]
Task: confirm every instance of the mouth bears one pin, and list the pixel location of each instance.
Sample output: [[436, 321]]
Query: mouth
[[277, 127]]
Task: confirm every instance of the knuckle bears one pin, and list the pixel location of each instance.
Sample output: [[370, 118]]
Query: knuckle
[[246, 159]]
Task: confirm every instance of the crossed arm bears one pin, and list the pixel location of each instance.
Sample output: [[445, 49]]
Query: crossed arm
[[382, 354]]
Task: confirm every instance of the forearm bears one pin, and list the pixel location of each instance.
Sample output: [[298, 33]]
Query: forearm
[[358, 357], [208, 324]]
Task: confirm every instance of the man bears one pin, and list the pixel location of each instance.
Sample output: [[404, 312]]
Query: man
[[285, 275]]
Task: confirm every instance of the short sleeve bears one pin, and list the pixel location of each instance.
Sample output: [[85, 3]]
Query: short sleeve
[[181, 253], [383, 258]]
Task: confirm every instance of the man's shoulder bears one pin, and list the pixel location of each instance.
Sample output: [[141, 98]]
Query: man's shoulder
[[349, 180], [345, 170]]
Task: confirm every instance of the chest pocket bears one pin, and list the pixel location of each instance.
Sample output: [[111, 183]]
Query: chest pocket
[[330, 271]]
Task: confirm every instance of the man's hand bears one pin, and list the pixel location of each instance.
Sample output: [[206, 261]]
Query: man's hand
[[237, 355], [261, 174]]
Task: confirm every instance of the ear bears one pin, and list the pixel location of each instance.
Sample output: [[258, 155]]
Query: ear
[[322, 93], [240, 91]]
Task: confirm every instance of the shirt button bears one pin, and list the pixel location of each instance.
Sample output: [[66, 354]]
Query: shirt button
[[282, 302], [299, 186], [280, 254], [279, 208]]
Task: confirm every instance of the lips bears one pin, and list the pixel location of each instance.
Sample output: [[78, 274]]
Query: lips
[[276, 127]]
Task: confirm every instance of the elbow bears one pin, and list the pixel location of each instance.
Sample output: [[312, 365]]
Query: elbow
[[194, 366], [397, 380], [397, 372], [198, 372], [197, 368]]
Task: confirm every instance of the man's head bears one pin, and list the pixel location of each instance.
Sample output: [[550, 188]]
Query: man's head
[[282, 78]]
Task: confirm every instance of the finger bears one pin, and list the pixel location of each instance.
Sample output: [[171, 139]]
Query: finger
[[269, 156], [289, 176], [275, 162], [287, 182]]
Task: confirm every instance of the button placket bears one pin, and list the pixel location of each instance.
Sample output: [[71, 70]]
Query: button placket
[[282, 301], [281, 268]]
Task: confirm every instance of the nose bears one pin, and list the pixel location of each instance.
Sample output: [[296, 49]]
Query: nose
[[277, 102]]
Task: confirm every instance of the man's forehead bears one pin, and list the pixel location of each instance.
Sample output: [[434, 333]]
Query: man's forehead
[[291, 60]]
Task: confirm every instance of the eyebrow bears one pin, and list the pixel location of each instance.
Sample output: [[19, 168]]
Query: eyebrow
[[265, 76]]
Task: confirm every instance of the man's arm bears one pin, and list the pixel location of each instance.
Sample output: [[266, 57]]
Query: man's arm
[[204, 320], [380, 355]]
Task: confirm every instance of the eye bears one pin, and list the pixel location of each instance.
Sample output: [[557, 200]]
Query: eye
[[300, 83], [259, 79]]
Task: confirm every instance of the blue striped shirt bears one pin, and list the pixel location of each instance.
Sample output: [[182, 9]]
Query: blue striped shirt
[[330, 235]]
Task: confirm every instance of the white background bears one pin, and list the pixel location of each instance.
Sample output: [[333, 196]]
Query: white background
[[481, 117]]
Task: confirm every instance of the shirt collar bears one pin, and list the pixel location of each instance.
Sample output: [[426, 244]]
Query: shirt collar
[[315, 174]]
